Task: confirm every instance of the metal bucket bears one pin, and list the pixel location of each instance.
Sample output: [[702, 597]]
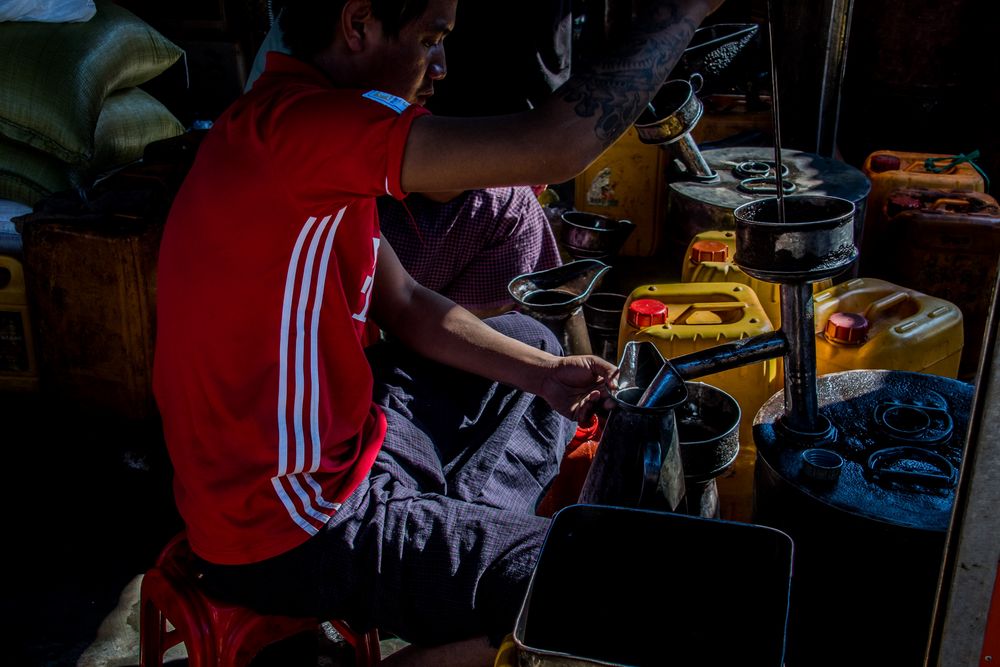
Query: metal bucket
[[708, 429], [617, 586], [589, 235], [868, 512]]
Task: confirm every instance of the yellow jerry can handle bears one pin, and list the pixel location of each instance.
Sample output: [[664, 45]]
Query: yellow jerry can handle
[[876, 308], [713, 307], [11, 275]]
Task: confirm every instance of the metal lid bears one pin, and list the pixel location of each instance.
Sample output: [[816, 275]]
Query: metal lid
[[808, 173], [900, 436]]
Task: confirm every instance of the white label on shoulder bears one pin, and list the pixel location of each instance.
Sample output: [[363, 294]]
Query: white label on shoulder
[[397, 104]]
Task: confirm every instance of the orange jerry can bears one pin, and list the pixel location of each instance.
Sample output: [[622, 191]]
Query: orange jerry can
[[947, 244], [870, 323], [687, 317], [709, 259], [628, 182], [896, 170]]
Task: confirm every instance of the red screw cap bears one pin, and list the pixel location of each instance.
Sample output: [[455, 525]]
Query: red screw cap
[[901, 201], [880, 163], [709, 251], [850, 328], [646, 313]]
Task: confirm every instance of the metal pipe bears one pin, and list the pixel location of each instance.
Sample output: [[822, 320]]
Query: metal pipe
[[731, 355], [577, 337], [686, 150], [714, 360], [797, 319]]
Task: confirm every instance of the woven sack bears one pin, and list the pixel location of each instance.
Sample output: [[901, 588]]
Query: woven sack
[[56, 76], [131, 118]]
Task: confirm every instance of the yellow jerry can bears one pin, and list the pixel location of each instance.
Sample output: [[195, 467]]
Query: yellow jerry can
[[18, 371], [628, 182], [869, 323]]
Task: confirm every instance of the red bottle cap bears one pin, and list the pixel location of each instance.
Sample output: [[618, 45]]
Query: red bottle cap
[[880, 163], [646, 313], [850, 328], [899, 202], [709, 251]]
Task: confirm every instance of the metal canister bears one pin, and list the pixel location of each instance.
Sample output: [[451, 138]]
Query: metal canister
[[747, 174], [868, 511]]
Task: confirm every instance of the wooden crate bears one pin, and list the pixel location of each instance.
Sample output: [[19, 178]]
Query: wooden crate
[[92, 290]]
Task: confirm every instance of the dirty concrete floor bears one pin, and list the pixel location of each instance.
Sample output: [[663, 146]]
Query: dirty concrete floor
[[88, 507]]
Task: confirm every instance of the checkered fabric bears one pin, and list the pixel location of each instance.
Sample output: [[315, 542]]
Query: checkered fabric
[[468, 249], [438, 543]]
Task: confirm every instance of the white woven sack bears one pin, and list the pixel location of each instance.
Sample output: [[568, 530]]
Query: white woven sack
[[47, 11]]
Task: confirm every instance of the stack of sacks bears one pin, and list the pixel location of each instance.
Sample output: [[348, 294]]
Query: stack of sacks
[[70, 109]]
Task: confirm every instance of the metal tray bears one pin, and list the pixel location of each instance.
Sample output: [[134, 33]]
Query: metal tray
[[617, 586]]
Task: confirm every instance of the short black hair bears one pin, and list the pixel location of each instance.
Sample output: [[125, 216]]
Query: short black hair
[[308, 25]]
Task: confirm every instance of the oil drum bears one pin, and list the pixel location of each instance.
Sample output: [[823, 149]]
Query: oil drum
[[868, 510]]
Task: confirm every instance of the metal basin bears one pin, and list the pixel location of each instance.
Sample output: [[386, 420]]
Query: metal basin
[[617, 586], [589, 235]]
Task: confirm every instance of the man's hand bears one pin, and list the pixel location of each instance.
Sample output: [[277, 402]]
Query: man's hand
[[578, 384]]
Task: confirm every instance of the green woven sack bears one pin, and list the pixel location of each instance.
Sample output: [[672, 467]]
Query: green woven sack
[[27, 175], [131, 118], [54, 77]]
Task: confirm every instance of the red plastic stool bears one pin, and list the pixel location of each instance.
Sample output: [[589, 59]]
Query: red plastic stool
[[216, 634]]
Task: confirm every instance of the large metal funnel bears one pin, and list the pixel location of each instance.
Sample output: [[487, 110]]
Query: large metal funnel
[[638, 462]]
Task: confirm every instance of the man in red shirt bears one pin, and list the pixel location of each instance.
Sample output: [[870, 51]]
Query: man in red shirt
[[303, 495]]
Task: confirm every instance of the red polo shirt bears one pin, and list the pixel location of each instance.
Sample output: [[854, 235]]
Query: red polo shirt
[[264, 281]]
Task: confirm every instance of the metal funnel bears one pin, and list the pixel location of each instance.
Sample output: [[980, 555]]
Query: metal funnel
[[638, 461], [555, 297], [723, 54], [668, 121]]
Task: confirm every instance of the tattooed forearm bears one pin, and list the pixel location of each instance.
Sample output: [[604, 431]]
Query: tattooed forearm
[[618, 87]]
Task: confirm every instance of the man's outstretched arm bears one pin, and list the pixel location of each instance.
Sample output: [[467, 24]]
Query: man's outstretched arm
[[443, 331]]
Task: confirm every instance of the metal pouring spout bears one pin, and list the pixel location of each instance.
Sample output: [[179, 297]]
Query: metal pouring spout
[[555, 297]]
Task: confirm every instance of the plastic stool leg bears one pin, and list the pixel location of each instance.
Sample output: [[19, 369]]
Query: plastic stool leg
[[152, 628]]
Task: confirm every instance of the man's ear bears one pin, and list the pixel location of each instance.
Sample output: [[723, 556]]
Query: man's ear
[[354, 22]]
